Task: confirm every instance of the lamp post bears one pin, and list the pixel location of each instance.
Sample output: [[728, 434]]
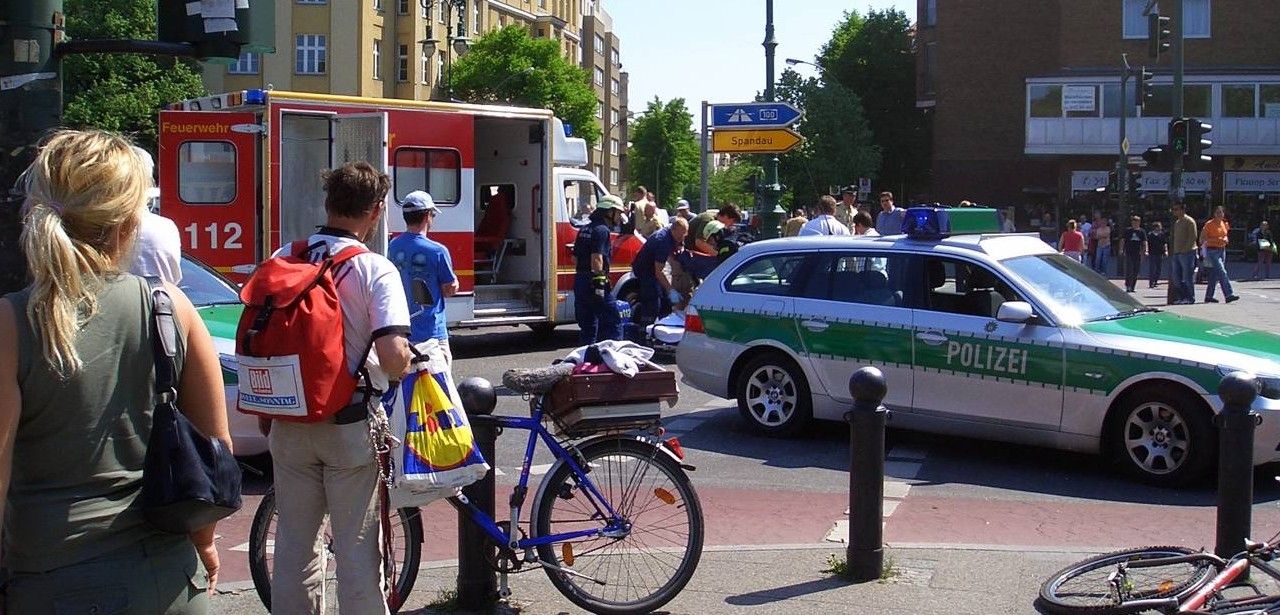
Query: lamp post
[[455, 34], [793, 62]]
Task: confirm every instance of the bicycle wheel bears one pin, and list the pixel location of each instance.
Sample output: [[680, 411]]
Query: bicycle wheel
[[638, 569], [406, 536], [1085, 587]]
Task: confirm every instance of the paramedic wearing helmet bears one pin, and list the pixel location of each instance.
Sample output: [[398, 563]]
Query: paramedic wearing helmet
[[593, 305]]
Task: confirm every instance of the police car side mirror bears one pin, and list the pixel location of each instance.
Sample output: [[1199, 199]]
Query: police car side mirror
[[1015, 312], [421, 294]]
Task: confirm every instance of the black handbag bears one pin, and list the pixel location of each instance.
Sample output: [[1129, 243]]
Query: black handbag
[[189, 480]]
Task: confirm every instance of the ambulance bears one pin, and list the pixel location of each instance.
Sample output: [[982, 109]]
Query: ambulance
[[979, 334], [240, 176]]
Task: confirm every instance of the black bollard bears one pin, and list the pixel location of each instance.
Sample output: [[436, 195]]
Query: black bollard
[[1236, 424], [865, 553], [477, 582]]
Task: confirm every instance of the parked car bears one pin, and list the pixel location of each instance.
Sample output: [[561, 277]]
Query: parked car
[[978, 334], [218, 302]]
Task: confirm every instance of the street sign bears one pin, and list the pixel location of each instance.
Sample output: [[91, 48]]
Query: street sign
[[1124, 146], [768, 141], [754, 115]]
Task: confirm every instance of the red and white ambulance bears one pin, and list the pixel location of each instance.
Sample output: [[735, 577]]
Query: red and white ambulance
[[240, 175]]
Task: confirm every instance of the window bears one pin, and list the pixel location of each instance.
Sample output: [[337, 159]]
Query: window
[[1238, 101], [439, 67], [438, 171], [613, 177], [402, 7], [957, 287], [599, 44], [598, 170], [377, 59], [542, 4], [600, 109], [425, 14], [613, 119], [859, 278], [207, 172], [1111, 100], [929, 81], [502, 21], [617, 57], [599, 76], [426, 69], [1269, 101], [1196, 101], [440, 6], [613, 146], [777, 274], [931, 12], [310, 58], [402, 64], [377, 5], [475, 16], [249, 64], [311, 1], [1195, 16], [580, 198], [614, 86], [1046, 100]]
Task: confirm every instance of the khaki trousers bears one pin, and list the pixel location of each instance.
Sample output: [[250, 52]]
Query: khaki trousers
[[325, 468]]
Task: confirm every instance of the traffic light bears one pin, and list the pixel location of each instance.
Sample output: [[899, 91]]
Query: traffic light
[[1135, 182], [213, 36], [1113, 181], [1157, 158], [1178, 136], [1197, 143], [1157, 35], [1143, 87]]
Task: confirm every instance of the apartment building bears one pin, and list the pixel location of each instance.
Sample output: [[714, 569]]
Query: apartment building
[[1025, 103], [402, 49], [602, 59]]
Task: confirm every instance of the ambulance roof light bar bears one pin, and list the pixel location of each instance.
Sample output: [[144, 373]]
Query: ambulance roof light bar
[[934, 223]]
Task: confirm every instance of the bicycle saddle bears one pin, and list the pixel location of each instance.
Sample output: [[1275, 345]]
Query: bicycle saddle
[[536, 381]]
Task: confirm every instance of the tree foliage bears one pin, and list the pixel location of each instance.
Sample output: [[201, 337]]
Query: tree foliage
[[838, 147], [511, 66], [873, 56], [728, 184], [664, 150], [122, 92]]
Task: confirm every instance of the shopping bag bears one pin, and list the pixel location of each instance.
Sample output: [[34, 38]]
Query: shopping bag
[[437, 453], [1265, 244]]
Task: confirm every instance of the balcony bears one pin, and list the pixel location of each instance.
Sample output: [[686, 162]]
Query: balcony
[[1101, 136]]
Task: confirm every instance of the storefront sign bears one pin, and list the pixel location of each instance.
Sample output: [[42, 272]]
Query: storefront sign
[[1079, 98], [1250, 163], [1251, 182], [1152, 181]]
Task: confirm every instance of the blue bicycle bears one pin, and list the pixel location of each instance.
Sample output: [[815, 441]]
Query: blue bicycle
[[615, 523]]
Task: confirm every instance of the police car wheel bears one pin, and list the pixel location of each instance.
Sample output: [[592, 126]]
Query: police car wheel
[[773, 396], [1163, 437]]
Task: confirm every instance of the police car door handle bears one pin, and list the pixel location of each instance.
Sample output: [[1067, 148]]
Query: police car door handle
[[817, 326], [932, 338]]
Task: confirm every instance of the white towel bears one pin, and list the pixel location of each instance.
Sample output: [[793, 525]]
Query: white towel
[[622, 357]]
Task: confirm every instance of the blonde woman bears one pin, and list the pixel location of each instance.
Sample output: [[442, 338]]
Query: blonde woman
[[76, 384]]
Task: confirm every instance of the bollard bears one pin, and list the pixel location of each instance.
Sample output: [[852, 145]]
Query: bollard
[[1236, 425], [477, 582], [865, 553]]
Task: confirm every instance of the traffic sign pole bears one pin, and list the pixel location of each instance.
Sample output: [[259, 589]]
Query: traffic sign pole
[[705, 153], [770, 212]]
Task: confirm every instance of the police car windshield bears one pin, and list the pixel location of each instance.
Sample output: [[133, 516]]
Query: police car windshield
[[1074, 293]]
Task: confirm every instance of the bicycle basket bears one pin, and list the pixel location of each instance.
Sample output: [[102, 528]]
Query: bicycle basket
[[585, 404]]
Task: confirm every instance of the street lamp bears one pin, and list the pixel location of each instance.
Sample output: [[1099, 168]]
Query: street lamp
[[456, 41], [793, 62]]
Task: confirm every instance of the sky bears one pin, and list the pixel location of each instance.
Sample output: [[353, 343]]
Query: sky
[[711, 49]]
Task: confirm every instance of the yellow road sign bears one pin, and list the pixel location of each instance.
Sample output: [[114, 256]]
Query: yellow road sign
[[768, 141]]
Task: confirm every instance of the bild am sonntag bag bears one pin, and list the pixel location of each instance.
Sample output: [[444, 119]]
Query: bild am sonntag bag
[[438, 453]]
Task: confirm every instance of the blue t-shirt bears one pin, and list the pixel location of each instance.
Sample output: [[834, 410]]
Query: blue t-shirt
[[657, 249], [418, 257], [593, 239]]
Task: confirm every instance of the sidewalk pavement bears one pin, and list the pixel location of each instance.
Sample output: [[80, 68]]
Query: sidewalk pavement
[[953, 579]]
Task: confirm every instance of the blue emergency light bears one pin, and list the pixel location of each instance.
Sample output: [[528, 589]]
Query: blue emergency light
[[255, 97], [933, 223]]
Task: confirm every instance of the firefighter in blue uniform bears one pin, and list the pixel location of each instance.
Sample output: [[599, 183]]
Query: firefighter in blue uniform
[[593, 304]]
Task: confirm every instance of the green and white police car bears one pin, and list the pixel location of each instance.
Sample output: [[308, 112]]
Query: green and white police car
[[979, 334]]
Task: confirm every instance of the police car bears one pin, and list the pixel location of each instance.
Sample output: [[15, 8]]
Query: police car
[[979, 334]]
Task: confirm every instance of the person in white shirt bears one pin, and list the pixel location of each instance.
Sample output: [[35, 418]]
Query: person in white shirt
[[825, 223], [157, 250], [862, 227], [329, 467]]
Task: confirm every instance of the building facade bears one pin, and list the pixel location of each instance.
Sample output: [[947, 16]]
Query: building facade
[[402, 49], [602, 59], [1025, 104]]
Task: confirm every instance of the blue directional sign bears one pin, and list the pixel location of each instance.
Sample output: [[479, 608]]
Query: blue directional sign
[[754, 115]]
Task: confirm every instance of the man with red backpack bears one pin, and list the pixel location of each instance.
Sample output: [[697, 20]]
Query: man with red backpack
[[318, 422]]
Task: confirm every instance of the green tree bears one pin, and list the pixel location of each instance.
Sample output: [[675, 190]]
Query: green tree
[[729, 184], [664, 150], [510, 66], [838, 147], [873, 56], [122, 92]]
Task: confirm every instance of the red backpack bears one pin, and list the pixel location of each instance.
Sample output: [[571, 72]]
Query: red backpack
[[289, 344]]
